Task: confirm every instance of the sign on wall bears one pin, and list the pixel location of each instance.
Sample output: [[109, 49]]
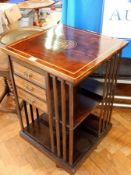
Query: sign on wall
[[117, 18]]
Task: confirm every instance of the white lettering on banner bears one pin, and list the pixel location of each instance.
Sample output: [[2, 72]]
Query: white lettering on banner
[[117, 18]]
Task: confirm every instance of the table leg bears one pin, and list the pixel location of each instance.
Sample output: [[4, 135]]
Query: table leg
[[37, 17]]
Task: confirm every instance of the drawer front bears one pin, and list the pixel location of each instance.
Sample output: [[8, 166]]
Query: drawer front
[[29, 75], [31, 88], [32, 100]]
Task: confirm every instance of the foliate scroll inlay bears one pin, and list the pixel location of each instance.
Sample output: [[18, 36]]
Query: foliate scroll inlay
[[67, 44]]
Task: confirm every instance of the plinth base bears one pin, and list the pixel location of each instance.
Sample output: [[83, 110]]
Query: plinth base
[[84, 143]]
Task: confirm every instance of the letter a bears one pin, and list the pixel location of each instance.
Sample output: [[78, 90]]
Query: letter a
[[115, 15]]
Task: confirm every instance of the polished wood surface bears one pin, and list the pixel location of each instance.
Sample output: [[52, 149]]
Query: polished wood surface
[[29, 75], [66, 52], [32, 100], [31, 88], [112, 156], [59, 54], [68, 114]]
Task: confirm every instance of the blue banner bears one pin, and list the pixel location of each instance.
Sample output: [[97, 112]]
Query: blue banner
[[87, 15], [84, 14]]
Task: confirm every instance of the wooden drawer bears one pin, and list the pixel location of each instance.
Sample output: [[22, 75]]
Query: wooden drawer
[[31, 88], [32, 100], [30, 75]]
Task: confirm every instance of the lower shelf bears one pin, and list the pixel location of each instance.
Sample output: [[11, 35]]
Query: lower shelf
[[39, 132], [91, 125], [84, 142]]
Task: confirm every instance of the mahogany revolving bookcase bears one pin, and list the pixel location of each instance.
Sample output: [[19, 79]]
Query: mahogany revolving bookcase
[[65, 113]]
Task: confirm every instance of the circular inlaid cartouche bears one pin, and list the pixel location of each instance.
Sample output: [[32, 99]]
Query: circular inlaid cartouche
[[67, 44]]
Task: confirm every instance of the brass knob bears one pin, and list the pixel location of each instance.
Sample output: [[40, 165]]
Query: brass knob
[[28, 75], [29, 88]]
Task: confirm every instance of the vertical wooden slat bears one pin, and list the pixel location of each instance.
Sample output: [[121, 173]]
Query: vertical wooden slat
[[108, 95], [104, 98], [118, 57], [50, 112], [105, 115], [26, 113], [37, 115], [63, 101], [15, 93], [113, 70], [117, 63], [31, 113], [57, 120], [71, 122]]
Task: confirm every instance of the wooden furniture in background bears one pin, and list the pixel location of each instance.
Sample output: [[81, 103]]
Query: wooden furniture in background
[[7, 90], [62, 116], [36, 5], [6, 38]]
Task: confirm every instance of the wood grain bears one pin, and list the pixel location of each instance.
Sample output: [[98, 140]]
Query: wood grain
[[32, 100], [31, 88], [112, 156], [66, 52], [29, 75]]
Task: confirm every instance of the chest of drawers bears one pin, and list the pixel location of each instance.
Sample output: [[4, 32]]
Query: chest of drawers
[[31, 86]]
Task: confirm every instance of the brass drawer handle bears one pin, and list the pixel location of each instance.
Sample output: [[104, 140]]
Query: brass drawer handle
[[28, 87], [28, 75]]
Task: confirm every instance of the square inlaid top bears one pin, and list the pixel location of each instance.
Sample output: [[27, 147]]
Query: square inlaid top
[[66, 52]]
